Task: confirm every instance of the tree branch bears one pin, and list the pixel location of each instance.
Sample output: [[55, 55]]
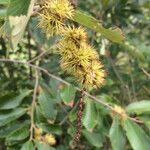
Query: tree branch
[[67, 83]]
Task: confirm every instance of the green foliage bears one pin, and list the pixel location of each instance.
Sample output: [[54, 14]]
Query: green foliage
[[137, 137], [11, 100], [18, 135], [17, 7], [43, 146], [27, 146], [47, 106], [4, 2], [115, 35], [117, 136], [139, 107], [9, 116], [90, 117], [18, 15], [94, 138], [119, 30], [67, 94]]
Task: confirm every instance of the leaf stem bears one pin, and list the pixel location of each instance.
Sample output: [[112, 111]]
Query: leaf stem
[[34, 104]]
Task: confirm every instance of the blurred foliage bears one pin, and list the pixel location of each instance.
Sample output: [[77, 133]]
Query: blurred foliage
[[127, 84]]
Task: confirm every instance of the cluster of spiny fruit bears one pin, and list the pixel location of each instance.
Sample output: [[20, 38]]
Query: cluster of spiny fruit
[[47, 138], [78, 57]]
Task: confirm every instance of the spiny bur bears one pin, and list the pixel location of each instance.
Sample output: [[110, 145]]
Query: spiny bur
[[53, 15], [49, 139], [75, 36], [80, 59], [44, 138], [38, 133]]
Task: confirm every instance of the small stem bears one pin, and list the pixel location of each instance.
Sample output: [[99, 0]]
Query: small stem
[[37, 57], [34, 104], [136, 120], [145, 72]]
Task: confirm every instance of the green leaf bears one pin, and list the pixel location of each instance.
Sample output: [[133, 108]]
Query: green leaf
[[7, 117], [7, 130], [3, 2], [68, 94], [18, 135], [10, 101], [54, 86], [15, 26], [39, 117], [17, 7], [139, 107], [42, 146], [3, 12], [94, 138], [90, 117], [116, 135], [54, 129], [47, 106], [136, 136], [115, 35], [28, 146]]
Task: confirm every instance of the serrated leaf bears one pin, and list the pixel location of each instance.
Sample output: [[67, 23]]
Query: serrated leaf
[[139, 107], [45, 87], [116, 135], [90, 117], [54, 129], [136, 136], [55, 90], [39, 117], [5, 131], [114, 35], [10, 101], [14, 26], [18, 135], [47, 106], [94, 138], [42, 146], [17, 7], [28, 146], [68, 94], [7, 117]]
